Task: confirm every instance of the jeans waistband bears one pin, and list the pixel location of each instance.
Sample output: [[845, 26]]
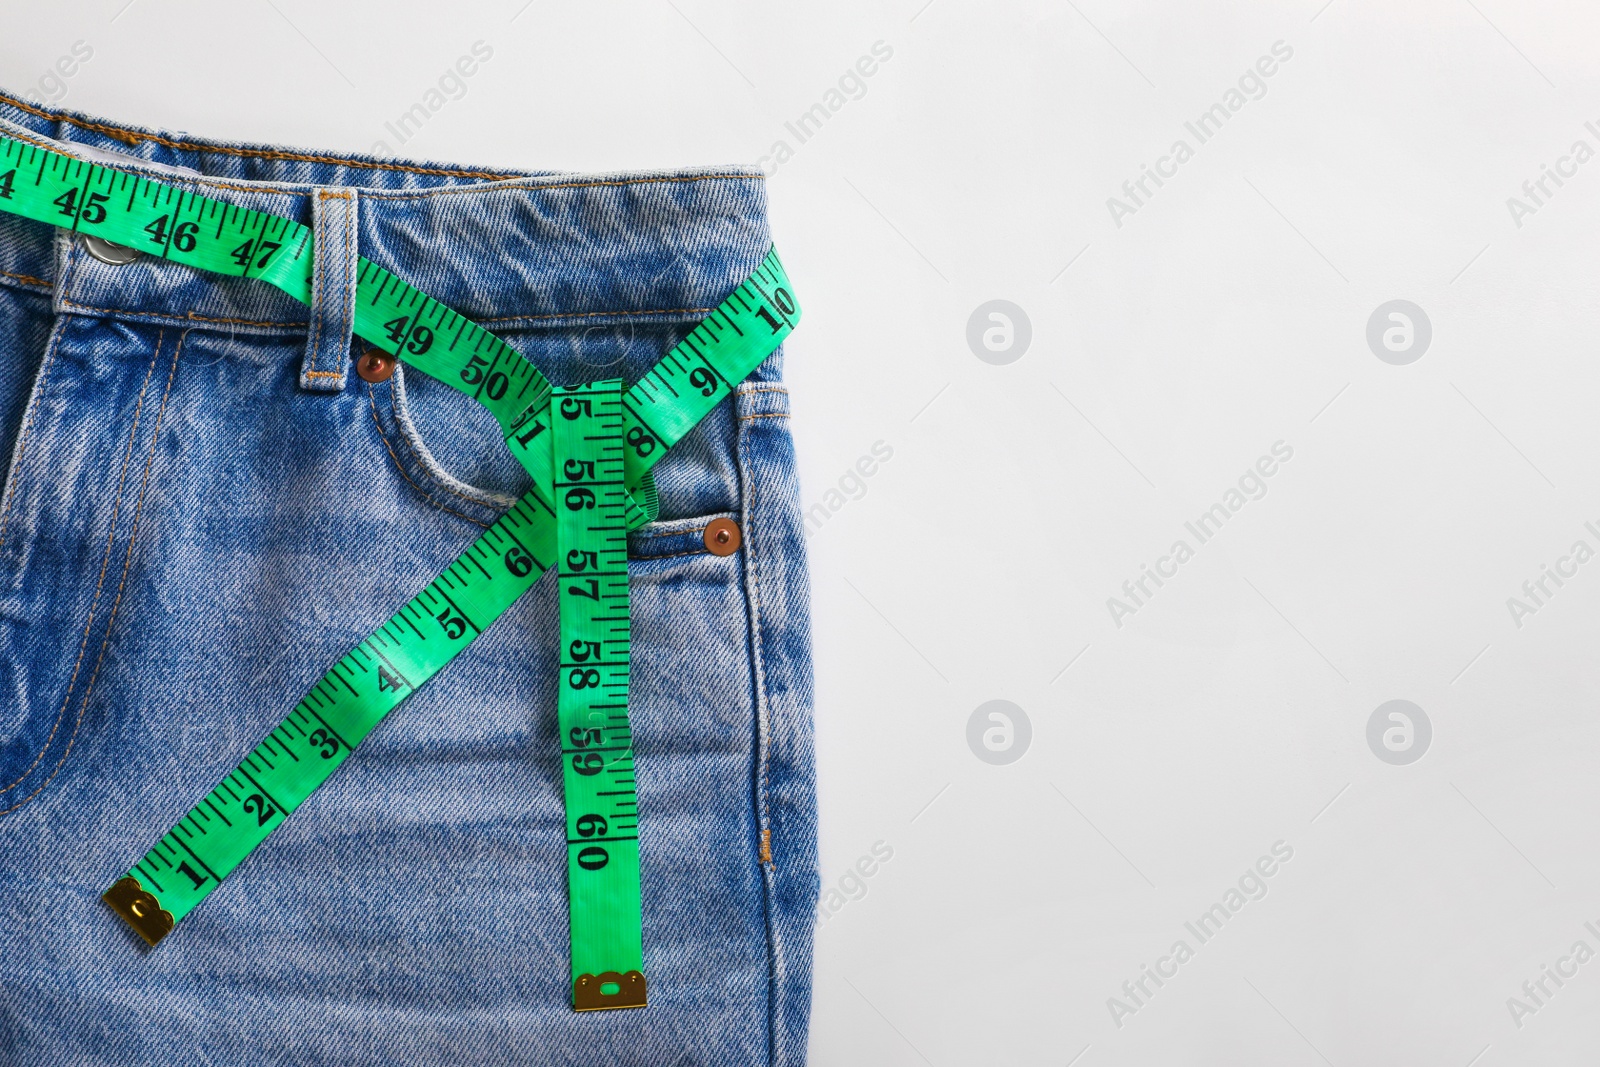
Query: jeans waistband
[[510, 250]]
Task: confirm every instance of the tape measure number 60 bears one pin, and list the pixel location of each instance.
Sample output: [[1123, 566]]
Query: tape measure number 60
[[590, 473]]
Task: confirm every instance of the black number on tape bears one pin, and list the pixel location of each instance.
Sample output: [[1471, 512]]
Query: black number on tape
[[260, 807]]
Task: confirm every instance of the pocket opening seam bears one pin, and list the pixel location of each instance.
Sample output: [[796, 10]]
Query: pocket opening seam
[[377, 423], [431, 466]]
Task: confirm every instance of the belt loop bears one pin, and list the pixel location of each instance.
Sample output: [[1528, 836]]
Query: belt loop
[[326, 366]]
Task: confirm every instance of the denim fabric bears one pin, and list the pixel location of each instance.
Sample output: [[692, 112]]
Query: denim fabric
[[203, 510]]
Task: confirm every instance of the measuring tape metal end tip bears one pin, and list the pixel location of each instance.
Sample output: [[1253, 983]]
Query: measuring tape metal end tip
[[591, 484], [589, 992], [140, 910]]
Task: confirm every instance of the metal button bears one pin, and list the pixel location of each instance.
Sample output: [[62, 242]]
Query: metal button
[[106, 252], [723, 537], [375, 366]]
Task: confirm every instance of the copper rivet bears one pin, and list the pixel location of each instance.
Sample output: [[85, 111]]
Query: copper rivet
[[375, 367], [722, 537]]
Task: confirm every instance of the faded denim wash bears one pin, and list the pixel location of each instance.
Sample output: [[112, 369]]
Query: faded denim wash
[[203, 509]]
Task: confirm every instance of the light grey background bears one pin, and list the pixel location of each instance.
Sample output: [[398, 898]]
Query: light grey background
[[1226, 313]]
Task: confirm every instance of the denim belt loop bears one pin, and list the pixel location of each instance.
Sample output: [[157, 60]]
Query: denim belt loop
[[326, 366]]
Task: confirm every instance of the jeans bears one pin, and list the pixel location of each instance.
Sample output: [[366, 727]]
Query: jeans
[[204, 508]]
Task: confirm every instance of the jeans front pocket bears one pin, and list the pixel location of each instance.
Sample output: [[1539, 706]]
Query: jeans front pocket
[[390, 406], [693, 715], [83, 465], [25, 331]]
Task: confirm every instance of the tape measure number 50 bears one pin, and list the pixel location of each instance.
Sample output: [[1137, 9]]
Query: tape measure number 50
[[589, 458]]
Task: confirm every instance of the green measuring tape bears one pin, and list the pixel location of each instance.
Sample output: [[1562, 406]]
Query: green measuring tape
[[592, 693], [589, 458]]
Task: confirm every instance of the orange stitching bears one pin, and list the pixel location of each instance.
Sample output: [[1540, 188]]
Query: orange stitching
[[675, 555], [129, 137], [595, 314], [132, 138], [348, 290], [763, 388], [324, 374], [297, 325], [111, 536], [397, 466], [206, 318], [381, 194], [28, 278], [188, 315], [320, 289], [38, 399], [320, 295], [56, 148], [457, 191], [127, 563], [763, 700], [212, 183], [22, 442], [774, 415], [674, 533], [351, 258]]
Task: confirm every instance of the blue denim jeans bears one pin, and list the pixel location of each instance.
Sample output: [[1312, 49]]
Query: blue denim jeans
[[204, 508]]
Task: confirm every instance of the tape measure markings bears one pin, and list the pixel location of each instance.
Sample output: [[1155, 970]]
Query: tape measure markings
[[248, 243], [340, 710], [604, 903], [401, 320], [523, 539], [622, 442]]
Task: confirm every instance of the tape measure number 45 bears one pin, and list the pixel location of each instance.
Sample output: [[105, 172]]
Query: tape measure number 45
[[588, 450]]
